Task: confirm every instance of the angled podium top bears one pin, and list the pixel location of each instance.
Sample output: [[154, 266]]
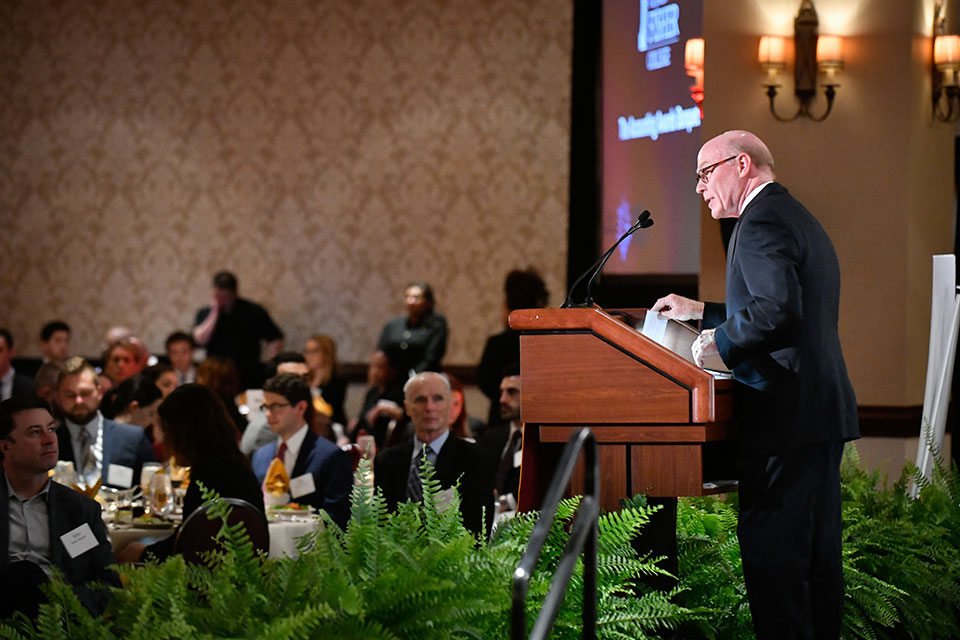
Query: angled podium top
[[588, 367]]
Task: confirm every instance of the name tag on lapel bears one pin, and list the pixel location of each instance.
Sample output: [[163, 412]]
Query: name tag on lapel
[[79, 541], [302, 485], [120, 476]]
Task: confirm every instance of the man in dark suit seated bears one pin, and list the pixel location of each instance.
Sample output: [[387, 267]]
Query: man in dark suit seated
[[12, 382], [98, 447], [320, 473], [44, 524], [505, 441], [778, 333], [396, 470]]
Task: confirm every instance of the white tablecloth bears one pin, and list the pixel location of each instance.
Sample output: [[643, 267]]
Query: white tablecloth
[[283, 536]]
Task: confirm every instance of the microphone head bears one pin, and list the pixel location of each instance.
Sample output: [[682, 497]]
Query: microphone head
[[646, 223], [643, 216]]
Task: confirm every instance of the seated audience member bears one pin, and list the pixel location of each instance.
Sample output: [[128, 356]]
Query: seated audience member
[[162, 376], [396, 469], [122, 360], [55, 341], [233, 327], [99, 448], [320, 474], [258, 432], [12, 383], [180, 348], [135, 401], [524, 290], [383, 402], [199, 434], [45, 384], [419, 337], [38, 516], [328, 387], [221, 376], [461, 424], [505, 440]]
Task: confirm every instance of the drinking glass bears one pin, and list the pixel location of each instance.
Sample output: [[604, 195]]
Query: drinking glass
[[160, 494]]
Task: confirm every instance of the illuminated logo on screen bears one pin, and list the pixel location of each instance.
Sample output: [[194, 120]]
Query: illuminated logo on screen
[[659, 28]]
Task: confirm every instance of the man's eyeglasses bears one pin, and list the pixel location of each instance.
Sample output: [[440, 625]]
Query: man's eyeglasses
[[273, 407], [703, 175]]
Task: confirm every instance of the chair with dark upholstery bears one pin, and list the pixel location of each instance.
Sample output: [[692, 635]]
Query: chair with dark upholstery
[[196, 534]]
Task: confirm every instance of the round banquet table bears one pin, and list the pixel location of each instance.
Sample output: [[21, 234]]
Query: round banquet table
[[284, 534]]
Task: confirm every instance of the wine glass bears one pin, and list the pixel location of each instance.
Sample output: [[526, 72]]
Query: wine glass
[[160, 494]]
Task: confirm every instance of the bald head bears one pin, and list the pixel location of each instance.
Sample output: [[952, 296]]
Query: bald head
[[729, 167]]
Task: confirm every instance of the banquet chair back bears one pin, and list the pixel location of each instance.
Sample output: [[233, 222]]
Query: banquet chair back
[[196, 534]]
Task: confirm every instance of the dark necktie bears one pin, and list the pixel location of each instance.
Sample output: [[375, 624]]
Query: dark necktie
[[87, 462], [414, 489], [506, 461], [281, 452]]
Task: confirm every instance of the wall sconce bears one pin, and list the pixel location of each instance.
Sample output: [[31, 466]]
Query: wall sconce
[[946, 63], [813, 55], [693, 63]]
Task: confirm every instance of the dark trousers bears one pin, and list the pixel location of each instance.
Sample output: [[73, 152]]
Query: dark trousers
[[790, 542], [20, 589]]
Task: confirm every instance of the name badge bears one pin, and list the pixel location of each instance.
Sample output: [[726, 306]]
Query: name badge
[[119, 475], [517, 458], [79, 541], [302, 485]]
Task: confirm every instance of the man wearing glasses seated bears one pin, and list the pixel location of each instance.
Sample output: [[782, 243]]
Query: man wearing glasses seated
[[320, 474]]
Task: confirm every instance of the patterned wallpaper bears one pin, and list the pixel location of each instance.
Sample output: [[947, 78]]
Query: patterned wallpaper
[[326, 151]]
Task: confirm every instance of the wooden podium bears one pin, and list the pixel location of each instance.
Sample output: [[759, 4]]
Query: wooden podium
[[663, 425]]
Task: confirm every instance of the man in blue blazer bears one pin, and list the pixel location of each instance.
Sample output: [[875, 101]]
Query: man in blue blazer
[[778, 333], [321, 474], [44, 524], [112, 451]]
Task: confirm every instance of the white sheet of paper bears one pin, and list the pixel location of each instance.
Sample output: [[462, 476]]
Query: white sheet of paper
[[119, 475], [79, 541], [654, 327], [302, 485]]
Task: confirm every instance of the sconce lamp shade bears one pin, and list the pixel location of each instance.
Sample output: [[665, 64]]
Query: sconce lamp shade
[[693, 54], [773, 51], [946, 52], [830, 51]]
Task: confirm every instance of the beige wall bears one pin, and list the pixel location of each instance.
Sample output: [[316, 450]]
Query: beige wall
[[327, 152], [878, 173]]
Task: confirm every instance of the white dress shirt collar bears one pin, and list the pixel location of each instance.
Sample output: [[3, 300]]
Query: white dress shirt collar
[[753, 194], [294, 443]]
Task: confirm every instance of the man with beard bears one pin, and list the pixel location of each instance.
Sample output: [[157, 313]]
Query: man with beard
[[505, 441], [98, 447]]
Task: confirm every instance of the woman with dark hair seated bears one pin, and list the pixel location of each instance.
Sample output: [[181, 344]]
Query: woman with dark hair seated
[[135, 401], [201, 435]]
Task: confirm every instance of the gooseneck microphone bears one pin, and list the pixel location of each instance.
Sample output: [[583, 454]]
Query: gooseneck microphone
[[643, 222]]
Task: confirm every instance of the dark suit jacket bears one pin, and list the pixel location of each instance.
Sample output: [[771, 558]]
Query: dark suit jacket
[[778, 330], [66, 510], [494, 440], [332, 474], [457, 458], [123, 444], [23, 385], [501, 349], [228, 475]]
